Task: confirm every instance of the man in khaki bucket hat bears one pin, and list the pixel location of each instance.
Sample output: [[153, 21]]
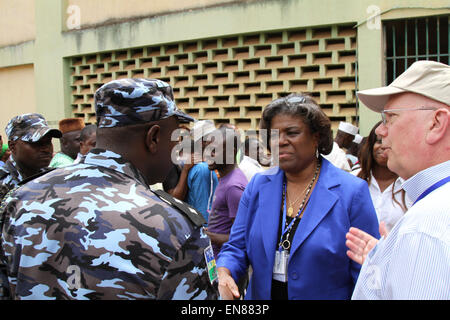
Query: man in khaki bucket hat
[[428, 78], [412, 261]]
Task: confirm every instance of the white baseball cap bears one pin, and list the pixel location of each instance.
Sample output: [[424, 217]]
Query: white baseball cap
[[348, 128], [358, 138], [428, 78], [202, 128]]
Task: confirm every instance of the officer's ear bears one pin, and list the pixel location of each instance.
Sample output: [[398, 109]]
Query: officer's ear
[[12, 146], [153, 138]]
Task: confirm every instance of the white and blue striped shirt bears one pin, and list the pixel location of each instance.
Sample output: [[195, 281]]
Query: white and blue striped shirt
[[413, 261]]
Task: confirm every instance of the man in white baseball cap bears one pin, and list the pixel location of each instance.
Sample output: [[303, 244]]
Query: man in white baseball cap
[[201, 182], [345, 135], [343, 140], [202, 128], [352, 152], [412, 262]]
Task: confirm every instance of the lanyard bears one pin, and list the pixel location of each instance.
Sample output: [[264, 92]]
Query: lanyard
[[432, 188], [285, 229], [286, 244]]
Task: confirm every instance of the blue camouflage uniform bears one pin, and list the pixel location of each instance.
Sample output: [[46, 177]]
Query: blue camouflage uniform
[[10, 176], [29, 127], [95, 230]]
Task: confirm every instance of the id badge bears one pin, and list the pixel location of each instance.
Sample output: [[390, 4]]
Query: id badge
[[210, 264], [280, 265]]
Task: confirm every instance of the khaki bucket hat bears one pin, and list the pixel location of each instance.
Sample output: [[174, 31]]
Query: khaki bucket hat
[[428, 78]]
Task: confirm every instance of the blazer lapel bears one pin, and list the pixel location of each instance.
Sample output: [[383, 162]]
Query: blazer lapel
[[320, 204], [269, 212]]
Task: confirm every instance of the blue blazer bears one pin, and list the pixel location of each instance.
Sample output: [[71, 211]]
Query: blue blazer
[[318, 266]]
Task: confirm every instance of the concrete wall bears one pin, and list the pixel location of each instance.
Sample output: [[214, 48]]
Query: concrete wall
[[99, 12], [17, 92], [55, 42], [17, 22]]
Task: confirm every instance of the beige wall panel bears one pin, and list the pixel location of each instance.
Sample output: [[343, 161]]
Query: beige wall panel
[[17, 93], [94, 12], [17, 23]]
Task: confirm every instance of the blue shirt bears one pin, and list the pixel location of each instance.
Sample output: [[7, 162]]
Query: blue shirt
[[413, 261], [202, 184]]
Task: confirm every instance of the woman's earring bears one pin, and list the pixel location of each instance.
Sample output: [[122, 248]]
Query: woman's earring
[[317, 153]]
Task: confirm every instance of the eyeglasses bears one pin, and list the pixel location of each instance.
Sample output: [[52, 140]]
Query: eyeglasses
[[385, 119]]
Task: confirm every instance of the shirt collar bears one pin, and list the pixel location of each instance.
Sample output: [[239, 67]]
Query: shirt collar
[[113, 161], [421, 181], [63, 155], [10, 167], [397, 185]]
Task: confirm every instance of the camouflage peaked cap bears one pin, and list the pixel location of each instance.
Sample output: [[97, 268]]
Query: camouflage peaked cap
[[29, 127], [132, 101]]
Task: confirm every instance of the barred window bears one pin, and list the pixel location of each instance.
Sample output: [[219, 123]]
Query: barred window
[[409, 40]]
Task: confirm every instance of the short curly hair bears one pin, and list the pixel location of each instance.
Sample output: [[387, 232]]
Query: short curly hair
[[303, 106]]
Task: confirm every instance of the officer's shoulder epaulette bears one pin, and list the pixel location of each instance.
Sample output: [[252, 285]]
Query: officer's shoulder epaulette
[[191, 213], [34, 176]]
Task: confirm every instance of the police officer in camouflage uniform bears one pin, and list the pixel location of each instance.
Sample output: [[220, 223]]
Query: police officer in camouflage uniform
[[95, 230], [30, 142]]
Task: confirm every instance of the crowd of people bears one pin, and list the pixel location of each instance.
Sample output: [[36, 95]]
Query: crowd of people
[[291, 214]]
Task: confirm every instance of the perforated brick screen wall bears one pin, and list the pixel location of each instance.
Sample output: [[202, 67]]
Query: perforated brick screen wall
[[231, 79]]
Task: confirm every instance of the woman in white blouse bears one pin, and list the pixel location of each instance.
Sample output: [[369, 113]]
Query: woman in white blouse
[[388, 197]]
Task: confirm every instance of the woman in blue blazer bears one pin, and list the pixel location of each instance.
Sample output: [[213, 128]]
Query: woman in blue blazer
[[292, 219]]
